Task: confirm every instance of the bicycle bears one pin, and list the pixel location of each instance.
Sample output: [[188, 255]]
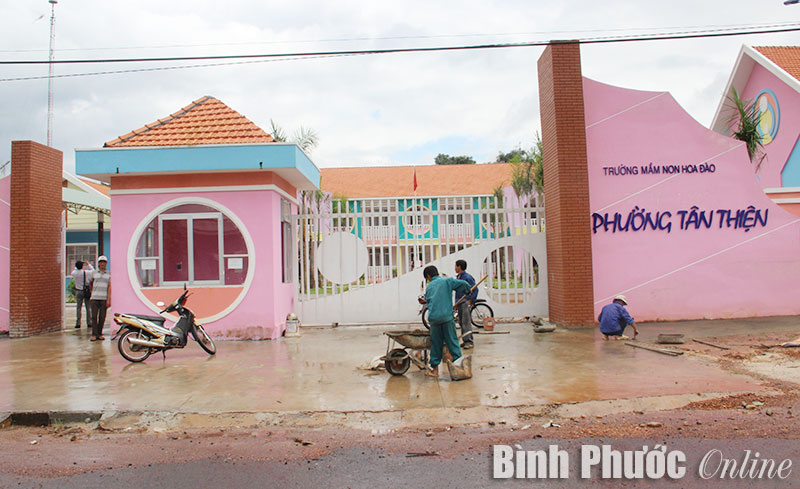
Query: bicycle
[[477, 312]]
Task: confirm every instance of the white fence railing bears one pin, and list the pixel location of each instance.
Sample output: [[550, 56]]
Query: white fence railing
[[380, 233], [378, 274], [458, 231], [340, 252]]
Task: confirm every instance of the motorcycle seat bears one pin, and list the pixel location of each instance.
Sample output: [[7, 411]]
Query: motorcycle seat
[[156, 319]]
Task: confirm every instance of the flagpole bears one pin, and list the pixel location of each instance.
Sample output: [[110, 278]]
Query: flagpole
[[416, 219]]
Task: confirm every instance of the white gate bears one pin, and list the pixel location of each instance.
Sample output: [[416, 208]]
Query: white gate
[[361, 260]]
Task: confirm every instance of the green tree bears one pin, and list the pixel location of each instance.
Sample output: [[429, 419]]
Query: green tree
[[443, 159], [527, 171], [744, 127], [513, 155]]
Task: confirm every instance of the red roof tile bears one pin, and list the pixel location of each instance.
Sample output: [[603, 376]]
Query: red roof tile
[[204, 121], [398, 181], [786, 57], [104, 189]]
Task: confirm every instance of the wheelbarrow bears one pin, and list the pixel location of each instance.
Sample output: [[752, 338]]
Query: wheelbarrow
[[415, 349]]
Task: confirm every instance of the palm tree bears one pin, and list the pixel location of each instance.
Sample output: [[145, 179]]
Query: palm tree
[[499, 225], [312, 203], [312, 200], [305, 138], [744, 126], [340, 206], [527, 174]]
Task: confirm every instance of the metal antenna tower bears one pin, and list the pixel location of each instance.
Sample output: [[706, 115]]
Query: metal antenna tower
[[50, 76]]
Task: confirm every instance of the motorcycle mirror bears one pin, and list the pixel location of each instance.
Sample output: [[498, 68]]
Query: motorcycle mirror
[[184, 286], [160, 303]]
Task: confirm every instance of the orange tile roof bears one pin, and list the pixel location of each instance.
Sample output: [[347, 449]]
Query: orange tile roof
[[787, 57], [204, 121], [104, 189], [398, 181]]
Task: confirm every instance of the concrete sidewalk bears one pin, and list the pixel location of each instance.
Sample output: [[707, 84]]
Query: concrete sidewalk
[[318, 372]]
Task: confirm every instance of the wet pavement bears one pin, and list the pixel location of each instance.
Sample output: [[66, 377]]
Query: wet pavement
[[319, 372]]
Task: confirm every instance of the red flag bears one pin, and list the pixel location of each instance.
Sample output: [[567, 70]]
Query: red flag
[[415, 179]]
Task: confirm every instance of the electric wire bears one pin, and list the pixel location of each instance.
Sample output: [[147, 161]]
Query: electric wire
[[168, 68], [396, 38], [607, 39], [330, 54]]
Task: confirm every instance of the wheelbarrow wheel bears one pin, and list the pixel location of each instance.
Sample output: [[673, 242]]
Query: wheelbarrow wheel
[[397, 362]]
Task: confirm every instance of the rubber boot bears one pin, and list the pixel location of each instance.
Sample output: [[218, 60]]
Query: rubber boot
[[461, 372]]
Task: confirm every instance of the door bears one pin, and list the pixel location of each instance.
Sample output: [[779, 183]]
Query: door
[[191, 245], [205, 250], [176, 250]]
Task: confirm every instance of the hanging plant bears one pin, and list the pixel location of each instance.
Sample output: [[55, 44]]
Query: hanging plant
[[744, 127]]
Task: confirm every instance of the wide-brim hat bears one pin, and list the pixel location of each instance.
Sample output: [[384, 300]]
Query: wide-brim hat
[[622, 299]]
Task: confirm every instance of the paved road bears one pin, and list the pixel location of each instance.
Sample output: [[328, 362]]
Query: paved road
[[336, 459]]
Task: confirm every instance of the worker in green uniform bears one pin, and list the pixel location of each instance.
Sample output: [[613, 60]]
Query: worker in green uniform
[[439, 298]]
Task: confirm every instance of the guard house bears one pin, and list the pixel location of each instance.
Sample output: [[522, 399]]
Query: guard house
[[203, 197]]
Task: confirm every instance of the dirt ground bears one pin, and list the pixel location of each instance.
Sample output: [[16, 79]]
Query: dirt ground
[[64, 451]]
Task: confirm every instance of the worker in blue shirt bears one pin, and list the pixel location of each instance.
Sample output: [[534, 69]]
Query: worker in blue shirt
[[464, 316], [439, 298], [614, 318]]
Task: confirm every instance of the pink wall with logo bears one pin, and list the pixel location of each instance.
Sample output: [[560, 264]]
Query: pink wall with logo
[[703, 241], [5, 250], [780, 148], [262, 311]]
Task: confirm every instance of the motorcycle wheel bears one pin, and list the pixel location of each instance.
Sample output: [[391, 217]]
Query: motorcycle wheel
[[425, 318], [397, 362], [479, 311], [205, 341], [133, 353]]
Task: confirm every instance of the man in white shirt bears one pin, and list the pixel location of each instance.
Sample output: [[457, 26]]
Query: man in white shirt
[[82, 274], [101, 298]]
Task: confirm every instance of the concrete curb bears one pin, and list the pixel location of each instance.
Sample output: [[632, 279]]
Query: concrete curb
[[375, 421]]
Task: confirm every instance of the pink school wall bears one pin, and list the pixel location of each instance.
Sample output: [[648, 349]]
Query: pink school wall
[[780, 148], [262, 312], [5, 250], [675, 269]]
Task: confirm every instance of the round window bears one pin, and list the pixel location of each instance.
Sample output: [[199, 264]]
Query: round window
[[196, 244]]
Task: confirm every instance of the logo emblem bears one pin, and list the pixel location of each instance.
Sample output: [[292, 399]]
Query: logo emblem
[[768, 114]]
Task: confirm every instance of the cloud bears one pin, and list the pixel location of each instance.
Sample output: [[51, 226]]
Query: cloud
[[366, 109]]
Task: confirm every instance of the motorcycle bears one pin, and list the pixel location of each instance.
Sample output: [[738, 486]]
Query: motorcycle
[[140, 335]]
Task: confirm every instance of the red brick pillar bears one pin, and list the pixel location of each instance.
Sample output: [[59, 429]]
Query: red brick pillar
[[36, 276], [566, 185]]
